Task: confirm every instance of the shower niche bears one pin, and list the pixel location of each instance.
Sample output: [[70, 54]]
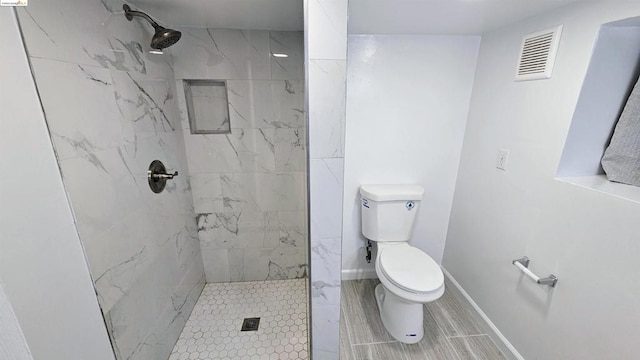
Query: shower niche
[[606, 87], [207, 106]]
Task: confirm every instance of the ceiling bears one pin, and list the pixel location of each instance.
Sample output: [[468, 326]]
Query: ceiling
[[285, 15], [365, 16], [441, 16]]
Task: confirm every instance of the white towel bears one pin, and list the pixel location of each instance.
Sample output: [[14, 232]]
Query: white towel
[[621, 160]]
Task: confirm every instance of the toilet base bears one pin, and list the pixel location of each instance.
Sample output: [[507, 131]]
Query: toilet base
[[402, 319]]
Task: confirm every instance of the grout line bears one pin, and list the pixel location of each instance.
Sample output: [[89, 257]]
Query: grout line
[[455, 351], [464, 336], [344, 313], [435, 320], [446, 338], [353, 353], [346, 327], [376, 343], [467, 314], [497, 347]]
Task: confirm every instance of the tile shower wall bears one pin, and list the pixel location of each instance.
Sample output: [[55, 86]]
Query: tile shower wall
[[326, 33], [249, 185], [111, 109]]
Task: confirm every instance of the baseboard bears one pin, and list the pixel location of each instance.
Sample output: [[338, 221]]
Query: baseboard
[[358, 274], [501, 341]]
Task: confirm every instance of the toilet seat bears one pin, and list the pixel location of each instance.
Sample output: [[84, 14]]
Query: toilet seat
[[410, 269]]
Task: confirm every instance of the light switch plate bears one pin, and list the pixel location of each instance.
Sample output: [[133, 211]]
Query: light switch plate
[[503, 158]]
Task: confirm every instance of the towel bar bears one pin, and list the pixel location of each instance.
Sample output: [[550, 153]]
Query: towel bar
[[523, 265]]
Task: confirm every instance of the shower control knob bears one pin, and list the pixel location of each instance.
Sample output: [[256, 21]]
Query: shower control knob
[[157, 176], [163, 176]]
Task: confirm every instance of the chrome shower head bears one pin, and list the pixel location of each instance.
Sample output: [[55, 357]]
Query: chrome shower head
[[163, 38]]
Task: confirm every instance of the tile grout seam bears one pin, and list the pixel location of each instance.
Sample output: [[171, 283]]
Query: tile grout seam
[[346, 326], [465, 336], [442, 331], [455, 350], [376, 343]]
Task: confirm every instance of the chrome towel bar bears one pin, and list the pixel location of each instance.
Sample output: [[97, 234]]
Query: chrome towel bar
[[523, 265]]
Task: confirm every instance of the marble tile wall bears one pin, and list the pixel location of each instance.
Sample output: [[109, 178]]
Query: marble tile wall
[[111, 109], [326, 51], [249, 186]]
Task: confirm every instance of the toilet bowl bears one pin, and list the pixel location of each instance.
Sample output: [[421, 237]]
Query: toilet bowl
[[408, 276]]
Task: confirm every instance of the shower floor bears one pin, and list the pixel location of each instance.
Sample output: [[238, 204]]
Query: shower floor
[[213, 329]]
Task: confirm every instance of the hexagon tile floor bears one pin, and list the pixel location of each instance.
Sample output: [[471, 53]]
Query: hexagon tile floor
[[213, 329]]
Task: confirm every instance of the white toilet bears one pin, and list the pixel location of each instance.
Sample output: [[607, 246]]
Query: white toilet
[[409, 277]]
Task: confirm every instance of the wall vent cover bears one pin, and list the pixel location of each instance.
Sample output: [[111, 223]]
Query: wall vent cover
[[538, 54]]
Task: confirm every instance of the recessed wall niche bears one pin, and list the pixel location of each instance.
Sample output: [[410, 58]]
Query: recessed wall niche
[[611, 75], [207, 106]]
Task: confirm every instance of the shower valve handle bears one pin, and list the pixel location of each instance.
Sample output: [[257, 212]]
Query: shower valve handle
[[158, 176]]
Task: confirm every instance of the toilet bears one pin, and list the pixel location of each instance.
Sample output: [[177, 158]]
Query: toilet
[[408, 276]]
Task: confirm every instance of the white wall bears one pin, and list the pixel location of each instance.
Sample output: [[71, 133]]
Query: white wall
[[42, 265], [588, 239], [407, 104]]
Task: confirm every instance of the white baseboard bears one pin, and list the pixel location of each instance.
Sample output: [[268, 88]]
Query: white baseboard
[[358, 274], [497, 336]]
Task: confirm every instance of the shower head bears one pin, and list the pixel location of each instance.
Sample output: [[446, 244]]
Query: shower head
[[163, 38]]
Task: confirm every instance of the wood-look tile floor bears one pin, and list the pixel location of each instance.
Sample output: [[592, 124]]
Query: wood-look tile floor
[[450, 329]]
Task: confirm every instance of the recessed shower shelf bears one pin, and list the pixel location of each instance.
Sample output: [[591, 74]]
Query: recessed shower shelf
[[207, 106]]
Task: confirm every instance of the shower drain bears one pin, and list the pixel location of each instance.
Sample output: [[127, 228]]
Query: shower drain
[[250, 324]]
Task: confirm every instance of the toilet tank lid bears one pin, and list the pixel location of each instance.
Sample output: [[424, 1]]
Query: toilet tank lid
[[391, 192]]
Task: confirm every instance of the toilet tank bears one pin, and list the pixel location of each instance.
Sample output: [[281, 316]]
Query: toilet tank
[[388, 211]]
